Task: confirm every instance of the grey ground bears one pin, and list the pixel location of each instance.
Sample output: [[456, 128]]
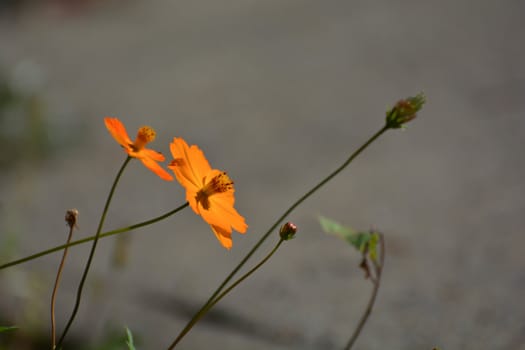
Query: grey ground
[[278, 93]]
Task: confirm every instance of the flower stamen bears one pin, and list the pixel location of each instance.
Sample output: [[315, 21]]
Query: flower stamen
[[218, 184], [144, 136]]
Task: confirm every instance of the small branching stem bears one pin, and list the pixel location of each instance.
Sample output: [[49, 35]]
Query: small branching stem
[[71, 219], [92, 252], [208, 307], [91, 238], [376, 281]]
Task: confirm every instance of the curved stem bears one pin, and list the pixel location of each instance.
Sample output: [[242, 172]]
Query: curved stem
[[370, 305], [91, 238], [203, 311], [280, 219], [92, 252], [55, 288]]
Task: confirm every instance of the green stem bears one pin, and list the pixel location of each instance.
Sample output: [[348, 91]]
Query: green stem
[[376, 282], [92, 252], [281, 218], [208, 307], [55, 288], [91, 238]]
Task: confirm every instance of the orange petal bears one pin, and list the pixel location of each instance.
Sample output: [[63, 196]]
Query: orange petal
[[222, 213], [189, 165], [226, 210], [224, 236], [152, 154], [157, 169], [191, 198], [118, 131], [183, 177]]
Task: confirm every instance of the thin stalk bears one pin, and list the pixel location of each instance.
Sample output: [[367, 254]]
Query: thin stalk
[[92, 252], [203, 312], [281, 218], [91, 238], [71, 219], [378, 270]]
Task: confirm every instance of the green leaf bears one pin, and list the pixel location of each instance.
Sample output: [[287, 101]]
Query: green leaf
[[372, 245], [332, 227], [5, 329], [362, 241], [129, 339], [357, 239]]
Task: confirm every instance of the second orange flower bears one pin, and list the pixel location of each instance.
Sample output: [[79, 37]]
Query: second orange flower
[[137, 149], [210, 192]]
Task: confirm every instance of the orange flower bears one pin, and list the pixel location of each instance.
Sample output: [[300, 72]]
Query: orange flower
[[138, 149], [209, 191]]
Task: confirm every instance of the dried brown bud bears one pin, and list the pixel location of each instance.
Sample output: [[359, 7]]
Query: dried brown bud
[[72, 218]]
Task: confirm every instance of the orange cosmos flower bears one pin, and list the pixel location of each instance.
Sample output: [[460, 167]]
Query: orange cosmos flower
[[209, 191], [138, 149]]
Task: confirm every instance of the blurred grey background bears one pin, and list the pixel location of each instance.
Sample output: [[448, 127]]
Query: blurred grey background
[[278, 93]]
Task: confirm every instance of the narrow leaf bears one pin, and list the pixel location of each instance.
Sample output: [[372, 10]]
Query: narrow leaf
[[9, 328], [129, 339], [355, 238], [331, 226]]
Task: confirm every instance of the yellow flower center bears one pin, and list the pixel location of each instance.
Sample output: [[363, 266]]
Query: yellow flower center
[[218, 184], [144, 135]]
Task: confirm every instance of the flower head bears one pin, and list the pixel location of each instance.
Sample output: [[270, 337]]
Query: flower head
[[72, 218], [288, 231], [137, 149], [404, 111], [209, 191]]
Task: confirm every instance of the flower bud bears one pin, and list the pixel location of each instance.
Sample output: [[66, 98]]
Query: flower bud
[[72, 217], [288, 231], [404, 111]]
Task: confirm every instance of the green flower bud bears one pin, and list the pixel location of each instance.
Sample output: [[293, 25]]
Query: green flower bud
[[404, 111]]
